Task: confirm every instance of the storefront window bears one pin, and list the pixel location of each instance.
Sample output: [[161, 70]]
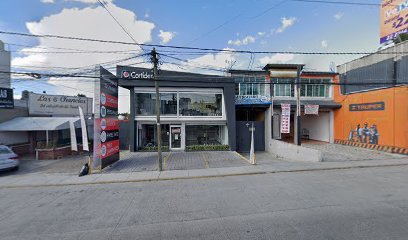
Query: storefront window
[[204, 135], [200, 104], [168, 103], [146, 104], [147, 135]]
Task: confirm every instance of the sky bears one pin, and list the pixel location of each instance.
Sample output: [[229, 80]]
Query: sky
[[257, 25]]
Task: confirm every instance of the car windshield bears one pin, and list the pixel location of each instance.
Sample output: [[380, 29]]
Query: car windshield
[[5, 150]]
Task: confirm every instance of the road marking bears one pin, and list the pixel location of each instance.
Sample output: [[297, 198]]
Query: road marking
[[242, 157]]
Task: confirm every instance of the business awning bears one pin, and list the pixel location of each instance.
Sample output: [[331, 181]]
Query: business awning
[[39, 123]]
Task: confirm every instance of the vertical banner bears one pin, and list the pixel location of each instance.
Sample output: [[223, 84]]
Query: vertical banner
[[106, 126], [74, 145], [285, 119], [85, 145]]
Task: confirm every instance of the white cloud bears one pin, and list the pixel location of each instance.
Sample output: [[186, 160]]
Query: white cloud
[[324, 43], [89, 22], [166, 36], [277, 58], [245, 41], [261, 33], [338, 16], [286, 22], [47, 1], [91, 1]]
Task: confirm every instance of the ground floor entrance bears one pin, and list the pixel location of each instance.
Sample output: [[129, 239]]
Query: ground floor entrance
[[180, 136]]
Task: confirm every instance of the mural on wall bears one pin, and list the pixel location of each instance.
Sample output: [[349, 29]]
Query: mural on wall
[[364, 134]]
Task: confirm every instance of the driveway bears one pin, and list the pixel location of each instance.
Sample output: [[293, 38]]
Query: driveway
[[147, 161], [337, 152]]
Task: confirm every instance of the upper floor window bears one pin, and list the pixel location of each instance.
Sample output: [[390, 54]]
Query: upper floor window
[[180, 104], [315, 87], [250, 86], [283, 87], [200, 104]]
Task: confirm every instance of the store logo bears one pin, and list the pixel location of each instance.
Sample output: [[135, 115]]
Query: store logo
[[136, 75]]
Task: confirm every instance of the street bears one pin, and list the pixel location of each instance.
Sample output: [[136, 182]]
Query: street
[[369, 203]]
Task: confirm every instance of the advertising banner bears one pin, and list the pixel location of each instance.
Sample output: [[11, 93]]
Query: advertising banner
[[106, 125], [285, 119], [6, 98], [393, 19], [58, 105]]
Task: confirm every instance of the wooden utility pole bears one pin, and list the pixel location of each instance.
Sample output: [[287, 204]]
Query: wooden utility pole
[[155, 61]]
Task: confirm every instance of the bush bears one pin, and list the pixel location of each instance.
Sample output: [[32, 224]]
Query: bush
[[207, 148]]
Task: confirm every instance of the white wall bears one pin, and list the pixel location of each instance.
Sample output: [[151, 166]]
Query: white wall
[[8, 138], [4, 66], [319, 126]]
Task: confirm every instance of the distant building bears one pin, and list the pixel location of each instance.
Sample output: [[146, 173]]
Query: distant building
[[374, 95], [5, 59]]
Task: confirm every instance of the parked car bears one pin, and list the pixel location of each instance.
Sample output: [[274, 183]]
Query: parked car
[[8, 159]]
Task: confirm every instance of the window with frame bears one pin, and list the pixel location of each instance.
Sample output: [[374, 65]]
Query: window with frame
[[313, 87], [283, 87], [250, 86]]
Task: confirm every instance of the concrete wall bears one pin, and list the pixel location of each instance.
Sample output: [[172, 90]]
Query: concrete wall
[[318, 126], [293, 152]]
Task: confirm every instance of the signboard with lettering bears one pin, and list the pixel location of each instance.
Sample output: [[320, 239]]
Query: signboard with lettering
[[393, 19], [311, 109], [6, 98], [106, 127], [285, 119], [376, 106], [58, 105]]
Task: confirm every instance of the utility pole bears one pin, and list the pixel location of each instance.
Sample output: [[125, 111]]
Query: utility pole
[[155, 61], [298, 112]]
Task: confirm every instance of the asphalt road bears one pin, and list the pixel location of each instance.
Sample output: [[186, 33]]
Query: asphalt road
[[367, 203]]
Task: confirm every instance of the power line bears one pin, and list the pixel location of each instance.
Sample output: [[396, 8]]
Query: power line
[[197, 48], [342, 2], [123, 28], [192, 79]]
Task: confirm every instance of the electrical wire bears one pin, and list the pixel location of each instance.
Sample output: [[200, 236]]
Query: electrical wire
[[198, 48]]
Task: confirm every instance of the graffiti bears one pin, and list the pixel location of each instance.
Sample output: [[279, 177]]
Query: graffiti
[[364, 134]]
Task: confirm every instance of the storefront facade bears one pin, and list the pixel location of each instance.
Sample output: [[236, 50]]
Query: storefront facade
[[195, 109], [374, 94], [259, 99]]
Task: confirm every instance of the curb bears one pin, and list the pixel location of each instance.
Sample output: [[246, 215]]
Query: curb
[[204, 177]]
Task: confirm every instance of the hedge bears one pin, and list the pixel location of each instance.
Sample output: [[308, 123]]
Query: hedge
[[207, 148]]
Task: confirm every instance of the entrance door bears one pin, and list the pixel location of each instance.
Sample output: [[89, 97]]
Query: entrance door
[[244, 135], [175, 137]]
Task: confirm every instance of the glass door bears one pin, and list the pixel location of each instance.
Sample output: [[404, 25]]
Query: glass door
[[175, 137]]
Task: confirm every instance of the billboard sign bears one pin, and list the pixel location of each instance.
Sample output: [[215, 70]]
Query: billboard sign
[[106, 127], [58, 105], [6, 98], [393, 19]]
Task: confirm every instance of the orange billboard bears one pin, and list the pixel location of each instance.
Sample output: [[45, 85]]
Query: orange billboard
[[393, 19]]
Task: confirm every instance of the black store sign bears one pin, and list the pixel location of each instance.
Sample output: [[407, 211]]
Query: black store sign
[[6, 98], [376, 106]]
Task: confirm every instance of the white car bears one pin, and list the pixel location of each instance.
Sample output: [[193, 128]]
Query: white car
[[8, 159]]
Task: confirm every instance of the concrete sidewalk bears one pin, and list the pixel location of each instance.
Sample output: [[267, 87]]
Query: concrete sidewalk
[[52, 179]]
